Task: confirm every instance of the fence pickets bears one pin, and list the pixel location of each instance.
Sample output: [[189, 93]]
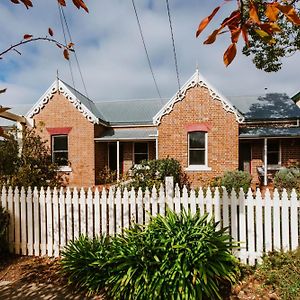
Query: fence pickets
[[43, 221]]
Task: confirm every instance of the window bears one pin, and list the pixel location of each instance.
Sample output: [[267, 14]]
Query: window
[[197, 148], [60, 149], [273, 152], [140, 152]]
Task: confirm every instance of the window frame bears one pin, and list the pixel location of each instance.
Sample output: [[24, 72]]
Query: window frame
[[202, 167], [279, 152], [61, 167], [134, 153]]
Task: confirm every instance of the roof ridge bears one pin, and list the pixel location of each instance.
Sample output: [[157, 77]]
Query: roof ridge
[[130, 100]]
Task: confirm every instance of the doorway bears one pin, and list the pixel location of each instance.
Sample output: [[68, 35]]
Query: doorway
[[112, 157], [245, 157]]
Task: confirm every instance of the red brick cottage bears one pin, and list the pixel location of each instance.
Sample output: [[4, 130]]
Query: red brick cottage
[[207, 132]]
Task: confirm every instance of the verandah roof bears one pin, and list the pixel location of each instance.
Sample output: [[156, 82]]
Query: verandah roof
[[258, 132], [132, 134]]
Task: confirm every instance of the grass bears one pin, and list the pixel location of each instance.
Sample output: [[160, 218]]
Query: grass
[[282, 272]]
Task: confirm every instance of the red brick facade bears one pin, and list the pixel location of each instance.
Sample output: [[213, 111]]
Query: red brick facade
[[198, 111], [59, 113], [198, 107]]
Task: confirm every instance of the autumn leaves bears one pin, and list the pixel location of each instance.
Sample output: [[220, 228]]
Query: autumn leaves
[[260, 17]]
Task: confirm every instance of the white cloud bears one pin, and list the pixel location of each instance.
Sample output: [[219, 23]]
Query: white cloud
[[112, 57]]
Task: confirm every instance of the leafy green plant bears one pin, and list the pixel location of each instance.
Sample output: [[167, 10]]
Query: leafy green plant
[[233, 180], [180, 256], [83, 260], [107, 176], [288, 178], [30, 165], [176, 257], [153, 172], [4, 222], [281, 270]]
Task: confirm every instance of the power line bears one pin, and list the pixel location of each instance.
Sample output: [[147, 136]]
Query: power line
[[65, 39], [173, 44], [76, 58], [145, 48]]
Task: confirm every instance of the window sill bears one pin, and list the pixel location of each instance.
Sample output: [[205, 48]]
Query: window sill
[[194, 168], [64, 169]]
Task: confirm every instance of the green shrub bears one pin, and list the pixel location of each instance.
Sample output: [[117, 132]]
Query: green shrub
[[82, 260], [233, 180], [107, 176], [175, 257], [153, 172], [281, 271], [4, 222], [288, 178]]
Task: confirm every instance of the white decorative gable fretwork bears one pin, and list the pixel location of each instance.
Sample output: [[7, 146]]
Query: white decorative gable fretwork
[[196, 80], [58, 85]]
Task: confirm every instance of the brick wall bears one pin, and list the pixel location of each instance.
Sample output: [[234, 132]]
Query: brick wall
[[198, 107], [58, 113]]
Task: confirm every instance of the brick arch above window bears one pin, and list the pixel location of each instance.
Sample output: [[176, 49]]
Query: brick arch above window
[[198, 127], [59, 130]]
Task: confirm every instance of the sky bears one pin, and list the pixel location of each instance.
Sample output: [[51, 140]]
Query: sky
[[111, 54]]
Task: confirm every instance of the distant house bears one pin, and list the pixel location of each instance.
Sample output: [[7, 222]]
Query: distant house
[[207, 132]]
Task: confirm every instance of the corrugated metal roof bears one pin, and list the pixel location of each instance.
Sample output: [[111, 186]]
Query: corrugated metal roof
[[273, 106], [130, 112], [122, 111], [269, 132], [89, 104], [128, 134]]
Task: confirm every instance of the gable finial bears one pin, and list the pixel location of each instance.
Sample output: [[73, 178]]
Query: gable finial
[[57, 81]]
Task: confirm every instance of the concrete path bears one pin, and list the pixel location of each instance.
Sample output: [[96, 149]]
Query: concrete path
[[33, 291]]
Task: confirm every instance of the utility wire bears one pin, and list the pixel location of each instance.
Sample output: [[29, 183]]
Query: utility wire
[[65, 39], [173, 44], [76, 58], [145, 48]]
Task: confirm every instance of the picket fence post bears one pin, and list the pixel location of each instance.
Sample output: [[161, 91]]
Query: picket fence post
[[43, 221]]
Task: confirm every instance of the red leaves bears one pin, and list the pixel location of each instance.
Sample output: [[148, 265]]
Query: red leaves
[[50, 31], [66, 54], [205, 21], [78, 3], [290, 13], [229, 54], [27, 36], [262, 19]]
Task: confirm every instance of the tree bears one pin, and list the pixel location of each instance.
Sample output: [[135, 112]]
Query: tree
[[270, 30], [28, 38], [29, 165]]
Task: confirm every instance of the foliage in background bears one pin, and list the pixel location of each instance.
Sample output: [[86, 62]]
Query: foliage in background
[[268, 57], [30, 166], [175, 257], [282, 272], [107, 175], [288, 178], [4, 221], [233, 180], [153, 172], [262, 24]]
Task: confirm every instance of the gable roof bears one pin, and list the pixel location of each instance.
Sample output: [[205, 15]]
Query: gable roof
[[135, 112], [272, 106], [84, 105], [197, 80]]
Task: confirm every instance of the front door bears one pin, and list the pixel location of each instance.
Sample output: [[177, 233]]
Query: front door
[[112, 157], [245, 157]]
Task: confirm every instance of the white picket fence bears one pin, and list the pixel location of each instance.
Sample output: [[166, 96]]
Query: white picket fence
[[42, 222]]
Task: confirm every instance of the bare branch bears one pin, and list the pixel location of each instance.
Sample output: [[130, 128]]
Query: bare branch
[[23, 42]]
